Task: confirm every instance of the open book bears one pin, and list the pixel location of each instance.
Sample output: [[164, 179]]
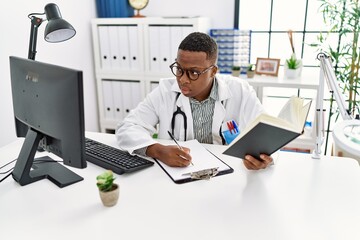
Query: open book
[[267, 134]]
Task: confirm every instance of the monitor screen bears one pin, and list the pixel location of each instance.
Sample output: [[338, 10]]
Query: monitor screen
[[49, 113]]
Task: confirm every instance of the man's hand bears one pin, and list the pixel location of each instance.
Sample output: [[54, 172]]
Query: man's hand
[[252, 163], [171, 155]]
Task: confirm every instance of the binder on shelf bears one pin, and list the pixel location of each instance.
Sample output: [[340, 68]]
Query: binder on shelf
[[114, 47], [104, 45], [154, 49], [176, 36], [124, 48], [205, 165], [133, 47], [113, 8], [136, 95], [118, 100], [101, 8], [165, 48], [108, 102], [153, 85]]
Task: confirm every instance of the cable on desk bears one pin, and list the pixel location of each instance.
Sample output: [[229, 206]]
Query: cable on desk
[[6, 165], [8, 171], [6, 176], [11, 169]]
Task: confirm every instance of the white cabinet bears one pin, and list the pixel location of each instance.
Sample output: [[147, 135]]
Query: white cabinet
[[130, 57]]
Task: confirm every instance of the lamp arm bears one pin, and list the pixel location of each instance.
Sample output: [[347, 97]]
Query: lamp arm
[[331, 80], [319, 116], [35, 23], [326, 73]]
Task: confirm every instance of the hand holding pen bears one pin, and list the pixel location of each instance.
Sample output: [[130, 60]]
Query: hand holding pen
[[173, 138]]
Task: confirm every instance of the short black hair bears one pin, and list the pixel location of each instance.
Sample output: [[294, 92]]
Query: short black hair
[[200, 42]]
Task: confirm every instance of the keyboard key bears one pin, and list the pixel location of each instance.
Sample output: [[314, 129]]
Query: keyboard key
[[112, 158]]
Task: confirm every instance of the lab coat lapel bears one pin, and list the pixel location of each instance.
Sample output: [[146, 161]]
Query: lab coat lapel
[[220, 112]]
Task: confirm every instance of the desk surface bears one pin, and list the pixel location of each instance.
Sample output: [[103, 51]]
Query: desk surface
[[297, 198]]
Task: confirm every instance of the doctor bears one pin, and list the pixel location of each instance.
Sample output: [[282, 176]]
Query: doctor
[[193, 105]]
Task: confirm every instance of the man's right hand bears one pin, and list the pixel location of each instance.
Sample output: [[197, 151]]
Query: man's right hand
[[171, 155]]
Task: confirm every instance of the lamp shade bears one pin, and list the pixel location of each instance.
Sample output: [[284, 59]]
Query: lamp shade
[[57, 29]]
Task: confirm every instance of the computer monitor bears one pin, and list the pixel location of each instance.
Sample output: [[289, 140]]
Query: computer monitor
[[49, 112]]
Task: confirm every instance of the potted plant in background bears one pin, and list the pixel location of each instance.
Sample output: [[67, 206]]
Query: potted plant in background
[[342, 17], [108, 190], [235, 71], [250, 71], [292, 67]]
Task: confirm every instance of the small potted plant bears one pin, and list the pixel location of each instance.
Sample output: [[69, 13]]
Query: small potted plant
[[108, 190], [235, 71], [250, 71], [292, 67]]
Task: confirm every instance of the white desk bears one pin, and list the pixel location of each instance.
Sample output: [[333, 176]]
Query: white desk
[[297, 198]]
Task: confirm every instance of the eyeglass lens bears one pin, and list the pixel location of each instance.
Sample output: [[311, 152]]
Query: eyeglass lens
[[178, 72]]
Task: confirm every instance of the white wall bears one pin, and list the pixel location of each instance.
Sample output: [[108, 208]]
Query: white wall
[[77, 52], [221, 12]]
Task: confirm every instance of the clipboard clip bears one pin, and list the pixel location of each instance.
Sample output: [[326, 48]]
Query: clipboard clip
[[205, 174]]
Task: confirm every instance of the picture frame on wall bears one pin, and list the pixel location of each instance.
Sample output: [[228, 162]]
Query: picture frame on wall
[[267, 66]]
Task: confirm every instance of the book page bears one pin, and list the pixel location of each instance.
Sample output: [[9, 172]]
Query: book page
[[295, 112], [201, 158], [292, 117], [270, 120], [290, 111]]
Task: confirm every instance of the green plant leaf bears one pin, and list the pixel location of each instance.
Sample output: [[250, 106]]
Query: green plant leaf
[[105, 181]]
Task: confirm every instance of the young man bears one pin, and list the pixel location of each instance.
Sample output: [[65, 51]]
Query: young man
[[194, 105]]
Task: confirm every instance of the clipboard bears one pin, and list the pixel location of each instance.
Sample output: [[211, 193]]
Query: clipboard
[[206, 165]]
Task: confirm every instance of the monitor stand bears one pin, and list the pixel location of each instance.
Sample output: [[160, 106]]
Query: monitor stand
[[27, 170]]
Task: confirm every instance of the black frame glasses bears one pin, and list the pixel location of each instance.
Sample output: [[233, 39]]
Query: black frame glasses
[[191, 74]]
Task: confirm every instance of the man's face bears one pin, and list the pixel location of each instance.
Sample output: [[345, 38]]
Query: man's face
[[195, 61]]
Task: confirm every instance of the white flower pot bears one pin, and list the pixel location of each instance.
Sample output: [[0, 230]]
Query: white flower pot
[[292, 73], [110, 198]]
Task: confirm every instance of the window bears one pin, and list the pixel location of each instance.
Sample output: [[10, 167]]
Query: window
[[269, 21]]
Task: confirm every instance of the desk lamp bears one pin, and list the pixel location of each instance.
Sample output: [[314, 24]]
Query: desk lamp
[[326, 72], [57, 29]]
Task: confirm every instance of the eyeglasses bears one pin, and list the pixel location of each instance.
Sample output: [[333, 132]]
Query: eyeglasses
[[191, 74]]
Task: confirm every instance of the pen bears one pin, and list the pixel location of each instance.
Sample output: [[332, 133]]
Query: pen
[[235, 126], [229, 127], [173, 138]]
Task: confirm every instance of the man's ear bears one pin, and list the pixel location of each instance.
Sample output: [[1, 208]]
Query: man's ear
[[214, 71]]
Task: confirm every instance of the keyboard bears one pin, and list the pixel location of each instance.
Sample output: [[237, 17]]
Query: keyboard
[[112, 158]]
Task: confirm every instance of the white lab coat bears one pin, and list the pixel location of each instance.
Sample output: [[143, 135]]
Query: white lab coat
[[237, 101]]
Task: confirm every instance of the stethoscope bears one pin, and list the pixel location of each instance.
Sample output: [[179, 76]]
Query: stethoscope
[[179, 111]]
